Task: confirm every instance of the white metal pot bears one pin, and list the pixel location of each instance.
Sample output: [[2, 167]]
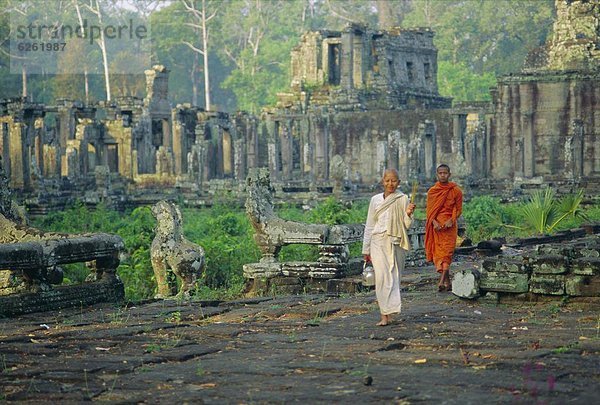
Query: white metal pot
[[368, 275]]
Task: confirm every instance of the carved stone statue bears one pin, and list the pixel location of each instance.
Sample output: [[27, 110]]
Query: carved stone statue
[[171, 250]]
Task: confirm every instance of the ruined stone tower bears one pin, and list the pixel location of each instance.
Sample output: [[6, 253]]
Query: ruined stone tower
[[575, 43], [545, 119]]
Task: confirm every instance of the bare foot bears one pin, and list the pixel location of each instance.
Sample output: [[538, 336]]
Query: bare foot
[[385, 320], [441, 284]]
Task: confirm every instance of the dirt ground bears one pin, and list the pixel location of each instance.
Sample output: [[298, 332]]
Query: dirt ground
[[310, 349]]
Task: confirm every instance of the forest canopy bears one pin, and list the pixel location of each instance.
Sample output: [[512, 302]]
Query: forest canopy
[[241, 48]]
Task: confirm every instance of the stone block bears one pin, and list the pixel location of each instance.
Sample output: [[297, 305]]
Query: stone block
[[465, 284], [549, 264], [549, 284], [504, 265], [262, 270], [295, 269], [341, 286], [504, 281], [312, 269], [590, 252], [555, 250], [279, 280], [582, 286], [586, 266]]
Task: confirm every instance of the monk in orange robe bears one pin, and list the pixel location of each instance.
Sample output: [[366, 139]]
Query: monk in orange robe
[[444, 206]]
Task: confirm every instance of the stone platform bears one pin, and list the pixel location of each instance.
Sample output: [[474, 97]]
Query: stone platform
[[309, 349]]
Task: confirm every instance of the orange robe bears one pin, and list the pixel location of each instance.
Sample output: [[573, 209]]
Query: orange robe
[[444, 201]]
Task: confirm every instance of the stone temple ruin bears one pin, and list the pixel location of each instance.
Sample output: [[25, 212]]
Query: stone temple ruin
[[360, 100]]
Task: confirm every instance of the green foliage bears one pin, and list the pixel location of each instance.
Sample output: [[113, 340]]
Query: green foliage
[[485, 218], [330, 212], [543, 213], [227, 238], [136, 229], [458, 81], [480, 39]]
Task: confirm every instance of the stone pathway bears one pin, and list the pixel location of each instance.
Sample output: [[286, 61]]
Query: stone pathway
[[310, 349]]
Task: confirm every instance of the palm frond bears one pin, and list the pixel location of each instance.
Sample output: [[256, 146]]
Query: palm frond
[[540, 210]]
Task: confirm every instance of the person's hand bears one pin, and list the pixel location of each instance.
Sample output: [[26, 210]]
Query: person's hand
[[448, 223], [436, 225], [367, 258], [410, 209]]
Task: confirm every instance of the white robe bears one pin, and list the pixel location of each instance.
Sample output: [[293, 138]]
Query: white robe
[[386, 254], [388, 263]]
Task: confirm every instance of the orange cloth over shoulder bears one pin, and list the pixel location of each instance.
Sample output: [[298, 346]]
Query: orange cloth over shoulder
[[444, 201]]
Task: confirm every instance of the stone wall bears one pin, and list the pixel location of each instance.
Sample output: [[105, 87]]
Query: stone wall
[[545, 125]]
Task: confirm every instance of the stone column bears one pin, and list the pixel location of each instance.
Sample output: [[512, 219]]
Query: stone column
[[393, 150], [178, 135], [251, 133], [427, 134], [38, 142], [239, 166], [285, 140], [17, 154], [459, 128], [347, 59], [382, 161], [403, 159], [527, 92], [321, 149], [272, 150]]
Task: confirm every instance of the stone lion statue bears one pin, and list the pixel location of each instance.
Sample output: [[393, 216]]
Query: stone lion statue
[[171, 250]]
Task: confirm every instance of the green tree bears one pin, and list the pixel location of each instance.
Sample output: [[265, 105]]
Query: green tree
[[480, 39], [458, 81], [256, 38]]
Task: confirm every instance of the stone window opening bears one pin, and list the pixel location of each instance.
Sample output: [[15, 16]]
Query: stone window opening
[[157, 133], [410, 71], [227, 155], [334, 68], [126, 117], [112, 157], [427, 70], [91, 157]]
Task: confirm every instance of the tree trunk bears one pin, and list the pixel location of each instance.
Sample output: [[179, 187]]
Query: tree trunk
[[193, 79], [205, 57], [102, 45]]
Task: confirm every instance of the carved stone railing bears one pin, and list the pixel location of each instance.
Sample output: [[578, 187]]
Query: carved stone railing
[[30, 260], [30, 272], [272, 233]]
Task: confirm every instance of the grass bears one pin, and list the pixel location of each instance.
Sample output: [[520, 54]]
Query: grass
[[565, 349]]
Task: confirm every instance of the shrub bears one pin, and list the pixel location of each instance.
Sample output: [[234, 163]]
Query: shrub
[[484, 217]]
